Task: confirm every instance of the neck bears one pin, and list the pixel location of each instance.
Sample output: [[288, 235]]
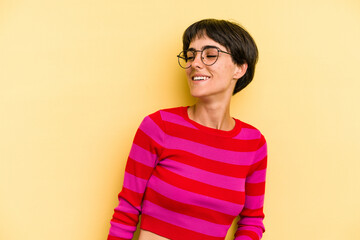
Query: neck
[[212, 114]]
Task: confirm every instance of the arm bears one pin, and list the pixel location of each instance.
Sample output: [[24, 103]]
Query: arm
[[142, 159], [250, 225]]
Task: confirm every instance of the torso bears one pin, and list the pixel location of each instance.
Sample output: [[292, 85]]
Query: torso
[[198, 182]]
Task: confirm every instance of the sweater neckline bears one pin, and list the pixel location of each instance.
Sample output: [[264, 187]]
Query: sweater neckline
[[231, 133]]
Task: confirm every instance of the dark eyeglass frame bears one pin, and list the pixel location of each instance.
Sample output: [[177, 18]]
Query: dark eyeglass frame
[[194, 51]]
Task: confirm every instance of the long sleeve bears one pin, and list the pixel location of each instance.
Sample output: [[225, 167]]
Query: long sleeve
[[250, 225], [143, 157]]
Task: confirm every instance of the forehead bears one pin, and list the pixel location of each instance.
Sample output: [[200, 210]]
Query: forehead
[[199, 42]]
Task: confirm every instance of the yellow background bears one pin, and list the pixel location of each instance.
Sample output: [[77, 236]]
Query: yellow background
[[77, 77]]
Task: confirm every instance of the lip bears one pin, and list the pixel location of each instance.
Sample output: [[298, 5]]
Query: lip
[[200, 77]]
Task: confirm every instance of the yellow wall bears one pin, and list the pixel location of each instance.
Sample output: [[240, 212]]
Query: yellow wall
[[77, 77]]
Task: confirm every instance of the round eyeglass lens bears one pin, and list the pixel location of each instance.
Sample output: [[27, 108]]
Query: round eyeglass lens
[[209, 55], [186, 58]]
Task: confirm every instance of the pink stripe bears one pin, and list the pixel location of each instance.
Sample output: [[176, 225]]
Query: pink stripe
[[195, 199], [125, 206], [121, 230], [216, 154], [248, 134], [134, 183], [174, 118], [252, 224], [261, 153], [257, 177], [184, 221], [142, 156], [254, 202], [150, 128], [214, 179]]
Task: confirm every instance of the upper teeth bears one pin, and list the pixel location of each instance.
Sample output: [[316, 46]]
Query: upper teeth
[[200, 78]]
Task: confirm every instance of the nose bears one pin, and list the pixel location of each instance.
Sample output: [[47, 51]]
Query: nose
[[197, 63]]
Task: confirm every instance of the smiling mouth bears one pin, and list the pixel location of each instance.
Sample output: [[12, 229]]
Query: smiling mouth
[[200, 78]]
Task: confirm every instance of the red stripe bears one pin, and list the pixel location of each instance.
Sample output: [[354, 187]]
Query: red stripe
[[138, 169], [190, 210], [248, 233], [198, 136], [225, 169], [199, 187], [253, 212], [132, 197], [260, 165], [255, 189], [125, 218], [116, 238], [171, 231], [146, 142]]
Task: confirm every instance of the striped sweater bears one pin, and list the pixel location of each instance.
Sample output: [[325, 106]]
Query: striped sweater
[[189, 181]]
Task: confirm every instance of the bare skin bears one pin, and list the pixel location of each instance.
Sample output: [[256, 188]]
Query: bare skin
[[146, 235]]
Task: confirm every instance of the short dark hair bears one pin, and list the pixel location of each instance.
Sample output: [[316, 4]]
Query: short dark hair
[[231, 35]]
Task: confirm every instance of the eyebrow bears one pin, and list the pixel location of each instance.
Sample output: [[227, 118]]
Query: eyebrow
[[206, 46]]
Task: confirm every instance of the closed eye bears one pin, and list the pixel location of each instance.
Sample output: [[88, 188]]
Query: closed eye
[[190, 59]]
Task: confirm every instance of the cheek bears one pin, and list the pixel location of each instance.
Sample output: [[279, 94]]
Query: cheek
[[188, 72]]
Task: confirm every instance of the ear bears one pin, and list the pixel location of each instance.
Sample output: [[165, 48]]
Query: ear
[[240, 70]]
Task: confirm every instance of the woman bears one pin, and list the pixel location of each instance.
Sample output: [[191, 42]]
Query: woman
[[192, 170]]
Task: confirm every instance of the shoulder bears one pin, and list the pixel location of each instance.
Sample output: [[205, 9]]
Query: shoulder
[[164, 115], [257, 142], [168, 114], [249, 132], [169, 111]]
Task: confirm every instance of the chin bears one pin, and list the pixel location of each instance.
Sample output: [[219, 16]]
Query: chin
[[199, 94]]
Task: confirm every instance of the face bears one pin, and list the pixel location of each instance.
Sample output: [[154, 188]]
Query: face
[[217, 80]]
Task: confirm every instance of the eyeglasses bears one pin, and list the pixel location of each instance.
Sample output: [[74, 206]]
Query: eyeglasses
[[209, 56]]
